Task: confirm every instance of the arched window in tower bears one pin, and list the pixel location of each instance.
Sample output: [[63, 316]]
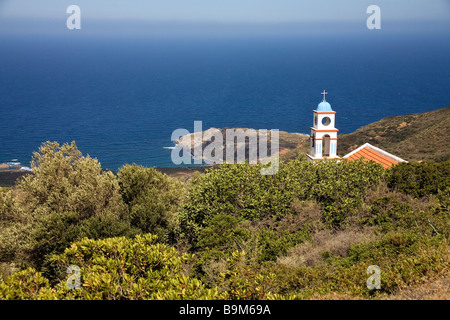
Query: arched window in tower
[[326, 146]]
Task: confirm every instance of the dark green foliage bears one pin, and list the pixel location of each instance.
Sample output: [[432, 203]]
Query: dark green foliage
[[420, 179], [153, 200], [222, 233], [389, 213], [273, 244], [242, 191], [339, 187], [237, 190], [56, 232]]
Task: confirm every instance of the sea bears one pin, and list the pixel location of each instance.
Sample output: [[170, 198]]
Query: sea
[[121, 98]]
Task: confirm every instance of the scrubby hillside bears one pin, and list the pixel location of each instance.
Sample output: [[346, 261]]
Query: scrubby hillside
[[413, 137]]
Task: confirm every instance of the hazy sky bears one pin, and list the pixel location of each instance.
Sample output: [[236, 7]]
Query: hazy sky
[[228, 10], [225, 11]]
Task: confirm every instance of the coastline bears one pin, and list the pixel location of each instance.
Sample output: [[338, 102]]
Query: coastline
[[288, 141]]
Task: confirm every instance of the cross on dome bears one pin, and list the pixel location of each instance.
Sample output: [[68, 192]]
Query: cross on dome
[[324, 93]]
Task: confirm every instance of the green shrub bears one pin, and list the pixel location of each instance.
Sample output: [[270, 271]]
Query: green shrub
[[114, 269], [222, 233], [63, 180], [400, 212], [23, 285], [420, 179], [67, 197], [273, 244], [242, 191], [68, 228], [153, 199], [240, 225], [243, 281], [238, 190]]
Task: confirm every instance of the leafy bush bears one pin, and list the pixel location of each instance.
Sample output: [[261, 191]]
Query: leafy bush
[[65, 181], [116, 268], [241, 190], [339, 187], [242, 281], [420, 179], [222, 233], [238, 190], [273, 244], [153, 200], [67, 228], [67, 197], [23, 285]]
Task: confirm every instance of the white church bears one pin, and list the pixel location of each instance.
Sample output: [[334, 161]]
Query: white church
[[323, 140]]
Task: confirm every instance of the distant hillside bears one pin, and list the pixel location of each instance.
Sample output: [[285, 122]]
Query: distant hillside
[[287, 141], [413, 137]]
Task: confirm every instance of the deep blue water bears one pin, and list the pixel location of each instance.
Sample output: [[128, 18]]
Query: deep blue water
[[120, 98]]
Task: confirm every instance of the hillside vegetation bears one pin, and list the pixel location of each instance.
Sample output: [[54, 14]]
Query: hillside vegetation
[[308, 232], [413, 137]]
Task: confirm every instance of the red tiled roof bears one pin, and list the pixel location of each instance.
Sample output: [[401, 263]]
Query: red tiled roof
[[370, 154]]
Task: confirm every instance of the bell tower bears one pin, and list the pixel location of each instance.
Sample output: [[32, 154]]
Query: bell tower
[[323, 139]]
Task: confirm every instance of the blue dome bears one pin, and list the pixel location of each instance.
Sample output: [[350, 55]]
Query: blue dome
[[324, 107]]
